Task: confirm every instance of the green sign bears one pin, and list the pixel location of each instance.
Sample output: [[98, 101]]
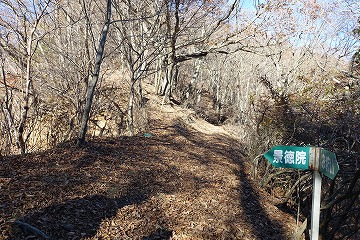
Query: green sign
[[328, 164], [289, 157], [307, 158]]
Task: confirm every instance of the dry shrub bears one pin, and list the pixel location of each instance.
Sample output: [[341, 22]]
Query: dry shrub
[[324, 115]]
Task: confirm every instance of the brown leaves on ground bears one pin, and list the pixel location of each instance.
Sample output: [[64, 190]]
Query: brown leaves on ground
[[187, 181]]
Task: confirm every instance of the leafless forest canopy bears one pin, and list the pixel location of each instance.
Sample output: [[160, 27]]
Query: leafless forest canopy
[[277, 72]]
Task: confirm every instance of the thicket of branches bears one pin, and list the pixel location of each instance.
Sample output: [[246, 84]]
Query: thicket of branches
[[281, 72]]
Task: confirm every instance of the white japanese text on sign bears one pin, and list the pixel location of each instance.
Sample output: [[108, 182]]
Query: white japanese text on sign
[[290, 157]]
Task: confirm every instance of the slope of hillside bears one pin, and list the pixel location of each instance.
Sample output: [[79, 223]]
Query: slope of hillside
[[187, 180]]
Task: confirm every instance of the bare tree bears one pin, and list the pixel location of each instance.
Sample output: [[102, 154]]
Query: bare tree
[[139, 33], [24, 28], [95, 74], [185, 31]]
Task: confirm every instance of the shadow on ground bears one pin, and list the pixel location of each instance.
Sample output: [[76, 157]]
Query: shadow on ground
[[262, 225], [81, 217], [68, 193], [82, 188]]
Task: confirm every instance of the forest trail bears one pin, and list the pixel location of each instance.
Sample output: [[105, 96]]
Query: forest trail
[[187, 180]]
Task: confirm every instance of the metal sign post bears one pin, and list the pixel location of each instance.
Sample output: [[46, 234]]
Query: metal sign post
[[307, 158], [315, 157], [315, 208]]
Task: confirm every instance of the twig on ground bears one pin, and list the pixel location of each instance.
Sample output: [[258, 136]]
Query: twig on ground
[[32, 229]]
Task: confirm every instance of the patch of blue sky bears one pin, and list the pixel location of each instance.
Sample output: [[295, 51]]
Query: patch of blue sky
[[323, 25]]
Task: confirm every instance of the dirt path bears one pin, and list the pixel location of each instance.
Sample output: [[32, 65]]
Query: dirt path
[[188, 180]]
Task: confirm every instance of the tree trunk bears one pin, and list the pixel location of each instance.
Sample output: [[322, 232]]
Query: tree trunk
[[168, 82], [131, 108], [95, 76], [21, 142], [171, 60], [157, 78], [190, 92], [9, 123]]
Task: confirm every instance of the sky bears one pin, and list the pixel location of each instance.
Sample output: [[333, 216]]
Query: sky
[[325, 21]]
